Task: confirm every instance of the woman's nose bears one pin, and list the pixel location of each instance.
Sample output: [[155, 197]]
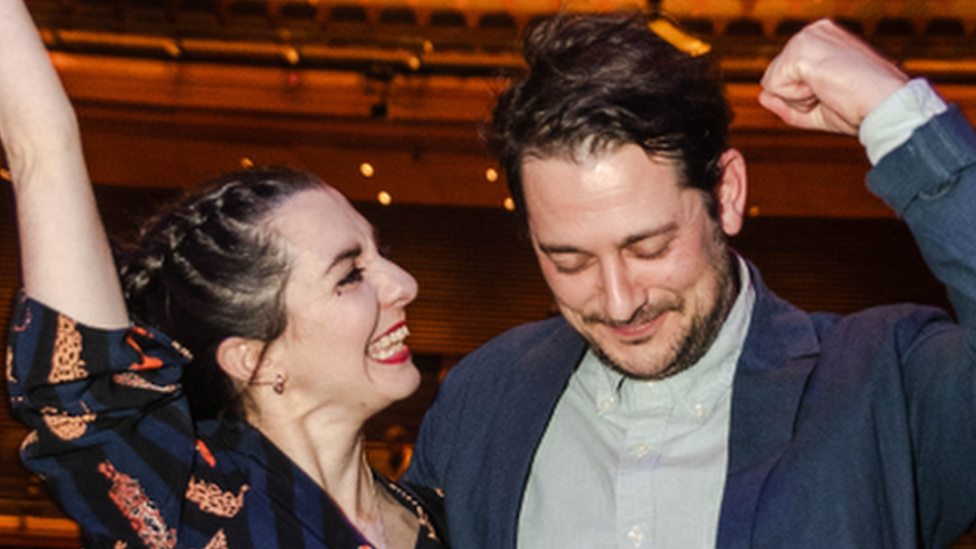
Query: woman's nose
[[398, 287]]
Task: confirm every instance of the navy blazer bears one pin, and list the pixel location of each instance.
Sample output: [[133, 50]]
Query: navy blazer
[[851, 431]]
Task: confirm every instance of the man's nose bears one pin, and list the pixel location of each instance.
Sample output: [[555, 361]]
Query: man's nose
[[621, 296]]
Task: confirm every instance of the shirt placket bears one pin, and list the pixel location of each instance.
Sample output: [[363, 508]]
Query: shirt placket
[[637, 479]]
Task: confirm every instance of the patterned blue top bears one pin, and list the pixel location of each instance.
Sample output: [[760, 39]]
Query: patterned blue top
[[114, 439]]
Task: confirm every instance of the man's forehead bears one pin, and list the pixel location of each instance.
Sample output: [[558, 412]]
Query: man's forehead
[[589, 152], [621, 197], [626, 165]]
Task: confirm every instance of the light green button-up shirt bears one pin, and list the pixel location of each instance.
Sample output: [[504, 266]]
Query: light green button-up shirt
[[633, 464]]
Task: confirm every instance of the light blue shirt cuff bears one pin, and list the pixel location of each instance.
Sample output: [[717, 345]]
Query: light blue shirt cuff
[[892, 122]]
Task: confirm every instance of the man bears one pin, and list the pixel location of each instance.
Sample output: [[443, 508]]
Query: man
[[677, 402]]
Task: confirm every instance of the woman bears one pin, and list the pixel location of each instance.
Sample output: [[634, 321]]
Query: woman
[[270, 280]]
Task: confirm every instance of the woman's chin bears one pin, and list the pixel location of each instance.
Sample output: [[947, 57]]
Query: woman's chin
[[395, 381]]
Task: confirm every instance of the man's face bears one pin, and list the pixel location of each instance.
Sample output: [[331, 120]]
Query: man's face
[[635, 262]]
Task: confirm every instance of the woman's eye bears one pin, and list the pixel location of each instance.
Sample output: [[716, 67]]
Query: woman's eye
[[355, 275]]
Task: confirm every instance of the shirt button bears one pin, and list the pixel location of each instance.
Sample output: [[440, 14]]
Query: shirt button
[[641, 450], [606, 405], [635, 535], [699, 411]]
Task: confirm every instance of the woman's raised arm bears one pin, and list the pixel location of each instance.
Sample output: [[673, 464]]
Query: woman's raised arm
[[65, 257]]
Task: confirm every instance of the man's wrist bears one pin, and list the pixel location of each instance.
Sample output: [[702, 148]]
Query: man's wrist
[[892, 122]]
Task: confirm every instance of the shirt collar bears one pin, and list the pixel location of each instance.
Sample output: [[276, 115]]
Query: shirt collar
[[697, 389]]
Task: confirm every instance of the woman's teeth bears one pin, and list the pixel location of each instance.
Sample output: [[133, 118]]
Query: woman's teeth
[[390, 344]]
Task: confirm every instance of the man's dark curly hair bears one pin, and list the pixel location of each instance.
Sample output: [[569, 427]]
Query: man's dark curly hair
[[599, 81]]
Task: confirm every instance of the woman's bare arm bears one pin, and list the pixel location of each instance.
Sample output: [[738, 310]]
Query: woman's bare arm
[[65, 257]]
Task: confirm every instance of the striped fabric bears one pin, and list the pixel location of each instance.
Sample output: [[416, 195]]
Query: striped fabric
[[114, 440]]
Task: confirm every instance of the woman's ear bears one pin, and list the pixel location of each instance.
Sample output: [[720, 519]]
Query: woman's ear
[[239, 357]]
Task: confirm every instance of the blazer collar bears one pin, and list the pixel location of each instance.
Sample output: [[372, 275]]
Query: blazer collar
[[780, 352], [540, 378]]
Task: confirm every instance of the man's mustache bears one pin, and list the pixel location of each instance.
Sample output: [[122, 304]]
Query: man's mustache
[[643, 315]]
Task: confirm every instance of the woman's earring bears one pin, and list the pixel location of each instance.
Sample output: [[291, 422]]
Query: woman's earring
[[279, 384]]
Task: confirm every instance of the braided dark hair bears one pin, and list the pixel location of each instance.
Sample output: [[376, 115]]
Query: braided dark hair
[[208, 268]]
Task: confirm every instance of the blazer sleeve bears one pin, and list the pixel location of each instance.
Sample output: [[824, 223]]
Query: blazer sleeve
[[930, 181]]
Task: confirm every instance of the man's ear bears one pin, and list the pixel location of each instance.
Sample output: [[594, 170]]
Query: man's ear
[[731, 192], [238, 357]]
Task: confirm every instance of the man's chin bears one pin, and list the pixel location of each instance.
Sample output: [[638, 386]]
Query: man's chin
[[639, 372]]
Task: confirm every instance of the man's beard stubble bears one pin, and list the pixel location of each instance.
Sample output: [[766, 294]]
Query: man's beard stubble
[[702, 333]]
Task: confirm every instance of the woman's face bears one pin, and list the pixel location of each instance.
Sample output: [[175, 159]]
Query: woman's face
[[343, 344]]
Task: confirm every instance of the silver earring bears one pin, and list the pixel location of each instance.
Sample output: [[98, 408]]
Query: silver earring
[[279, 384]]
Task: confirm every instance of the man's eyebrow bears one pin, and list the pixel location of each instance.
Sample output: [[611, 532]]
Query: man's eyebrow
[[554, 249], [349, 253]]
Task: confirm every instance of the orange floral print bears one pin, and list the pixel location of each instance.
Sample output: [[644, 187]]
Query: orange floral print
[[182, 350], [65, 426], [66, 363], [142, 513], [205, 453], [129, 379], [211, 499], [219, 541], [146, 362], [10, 366]]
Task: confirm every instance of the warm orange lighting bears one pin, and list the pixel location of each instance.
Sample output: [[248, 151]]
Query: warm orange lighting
[[366, 169], [687, 43], [384, 198], [509, 204], [173, 50], [291, 55], [247, 163], [754, 211], [5, 174], [491, 174]]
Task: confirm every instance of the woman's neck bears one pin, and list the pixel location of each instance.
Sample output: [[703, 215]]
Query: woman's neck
[[329, 448]]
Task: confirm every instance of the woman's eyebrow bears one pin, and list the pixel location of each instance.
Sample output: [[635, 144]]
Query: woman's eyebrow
[[349, 253]]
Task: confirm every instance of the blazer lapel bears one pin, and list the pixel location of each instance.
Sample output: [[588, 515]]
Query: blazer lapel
[[780, 352], [522, 417]]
